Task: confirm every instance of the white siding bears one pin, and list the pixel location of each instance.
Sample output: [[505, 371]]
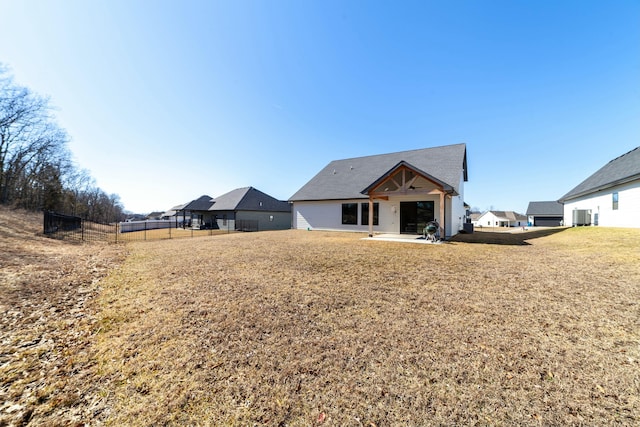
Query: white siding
[[487, 219], [327, 215], [458, 212], [627, 215]]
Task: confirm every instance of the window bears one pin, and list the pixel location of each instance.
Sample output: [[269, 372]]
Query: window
[[364, 213], [350, 213], [614, 199]]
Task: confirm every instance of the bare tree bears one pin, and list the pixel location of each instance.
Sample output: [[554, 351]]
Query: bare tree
[[36, 171], [30, 141]]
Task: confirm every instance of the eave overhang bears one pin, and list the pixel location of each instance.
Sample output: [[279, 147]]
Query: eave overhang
[[599, 188]]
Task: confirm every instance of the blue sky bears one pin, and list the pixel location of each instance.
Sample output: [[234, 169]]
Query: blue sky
[[167, 100]]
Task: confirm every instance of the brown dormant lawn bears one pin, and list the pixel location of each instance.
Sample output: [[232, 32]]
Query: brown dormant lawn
[[314, 328], [304, 328]]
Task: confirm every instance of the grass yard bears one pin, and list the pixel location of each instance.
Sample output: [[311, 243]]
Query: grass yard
[[304, 328], [313, 328]]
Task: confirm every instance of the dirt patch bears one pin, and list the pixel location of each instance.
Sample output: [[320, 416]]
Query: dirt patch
[[47, 324], [309, 328]]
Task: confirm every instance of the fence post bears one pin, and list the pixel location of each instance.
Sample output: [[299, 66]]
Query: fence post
[[145, 231], [117, 226], [82, 229]]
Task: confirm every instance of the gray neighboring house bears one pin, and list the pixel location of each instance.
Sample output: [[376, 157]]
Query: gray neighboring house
[[388, 193], [610, 197], [545, 214], [249, 209], [245, 209], [192, 214], [172, 214]]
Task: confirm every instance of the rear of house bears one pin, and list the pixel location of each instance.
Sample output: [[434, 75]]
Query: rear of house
[[249, 209], [389, 193], [609, 198], [244, 209]]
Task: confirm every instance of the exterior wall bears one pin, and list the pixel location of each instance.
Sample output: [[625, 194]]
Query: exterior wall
[[627, 215], [327, 215], [547, 221], [456, 211], [228, 224], [488, 219], [267, 220]]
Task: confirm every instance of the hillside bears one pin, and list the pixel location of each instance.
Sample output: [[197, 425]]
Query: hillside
[[46, 290]]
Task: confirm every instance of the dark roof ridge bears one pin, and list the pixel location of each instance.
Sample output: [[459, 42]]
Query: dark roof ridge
[[396, 152], [622, 155]]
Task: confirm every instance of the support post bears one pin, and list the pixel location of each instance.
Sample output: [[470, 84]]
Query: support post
[[370, 216], [442, 219]]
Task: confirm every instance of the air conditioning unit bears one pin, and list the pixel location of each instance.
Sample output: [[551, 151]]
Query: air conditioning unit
[[581, 217]]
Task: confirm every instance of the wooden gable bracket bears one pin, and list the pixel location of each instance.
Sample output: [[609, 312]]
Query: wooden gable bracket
[[443, 189]]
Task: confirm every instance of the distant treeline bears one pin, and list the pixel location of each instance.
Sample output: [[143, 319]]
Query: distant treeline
[[36, 167]]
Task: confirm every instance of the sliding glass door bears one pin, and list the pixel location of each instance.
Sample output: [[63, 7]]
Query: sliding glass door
[[414, 216]]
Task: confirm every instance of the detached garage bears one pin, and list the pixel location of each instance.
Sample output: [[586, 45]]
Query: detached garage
[[545, 214]]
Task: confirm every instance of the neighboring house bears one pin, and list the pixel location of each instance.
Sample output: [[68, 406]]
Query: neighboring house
[[501, 219], [545, 214], [249, 209], [391, 193], [192, 214], [474, 217], [610, 197], [154, 215], [245, 208], [172, 214]]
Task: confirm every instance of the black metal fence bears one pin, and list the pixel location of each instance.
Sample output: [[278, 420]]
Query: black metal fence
[[246, 225], [60, 226]]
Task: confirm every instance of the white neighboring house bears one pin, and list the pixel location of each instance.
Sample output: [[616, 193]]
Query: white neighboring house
[[388, 193], [610, 197], [474, 217], [500, 219]]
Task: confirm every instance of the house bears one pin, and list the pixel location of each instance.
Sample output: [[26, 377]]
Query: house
[[249, 209], [388, 193], [154, 215], [192, 213], [501, 219], [474, 217], [545, 214], [610, 197], [172, 214], [246, 209]]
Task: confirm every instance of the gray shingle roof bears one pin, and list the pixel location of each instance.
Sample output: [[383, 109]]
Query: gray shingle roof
[[248, 199], [618, 171], [551, 208], [347, 178], [509, 215], [202, 203]]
